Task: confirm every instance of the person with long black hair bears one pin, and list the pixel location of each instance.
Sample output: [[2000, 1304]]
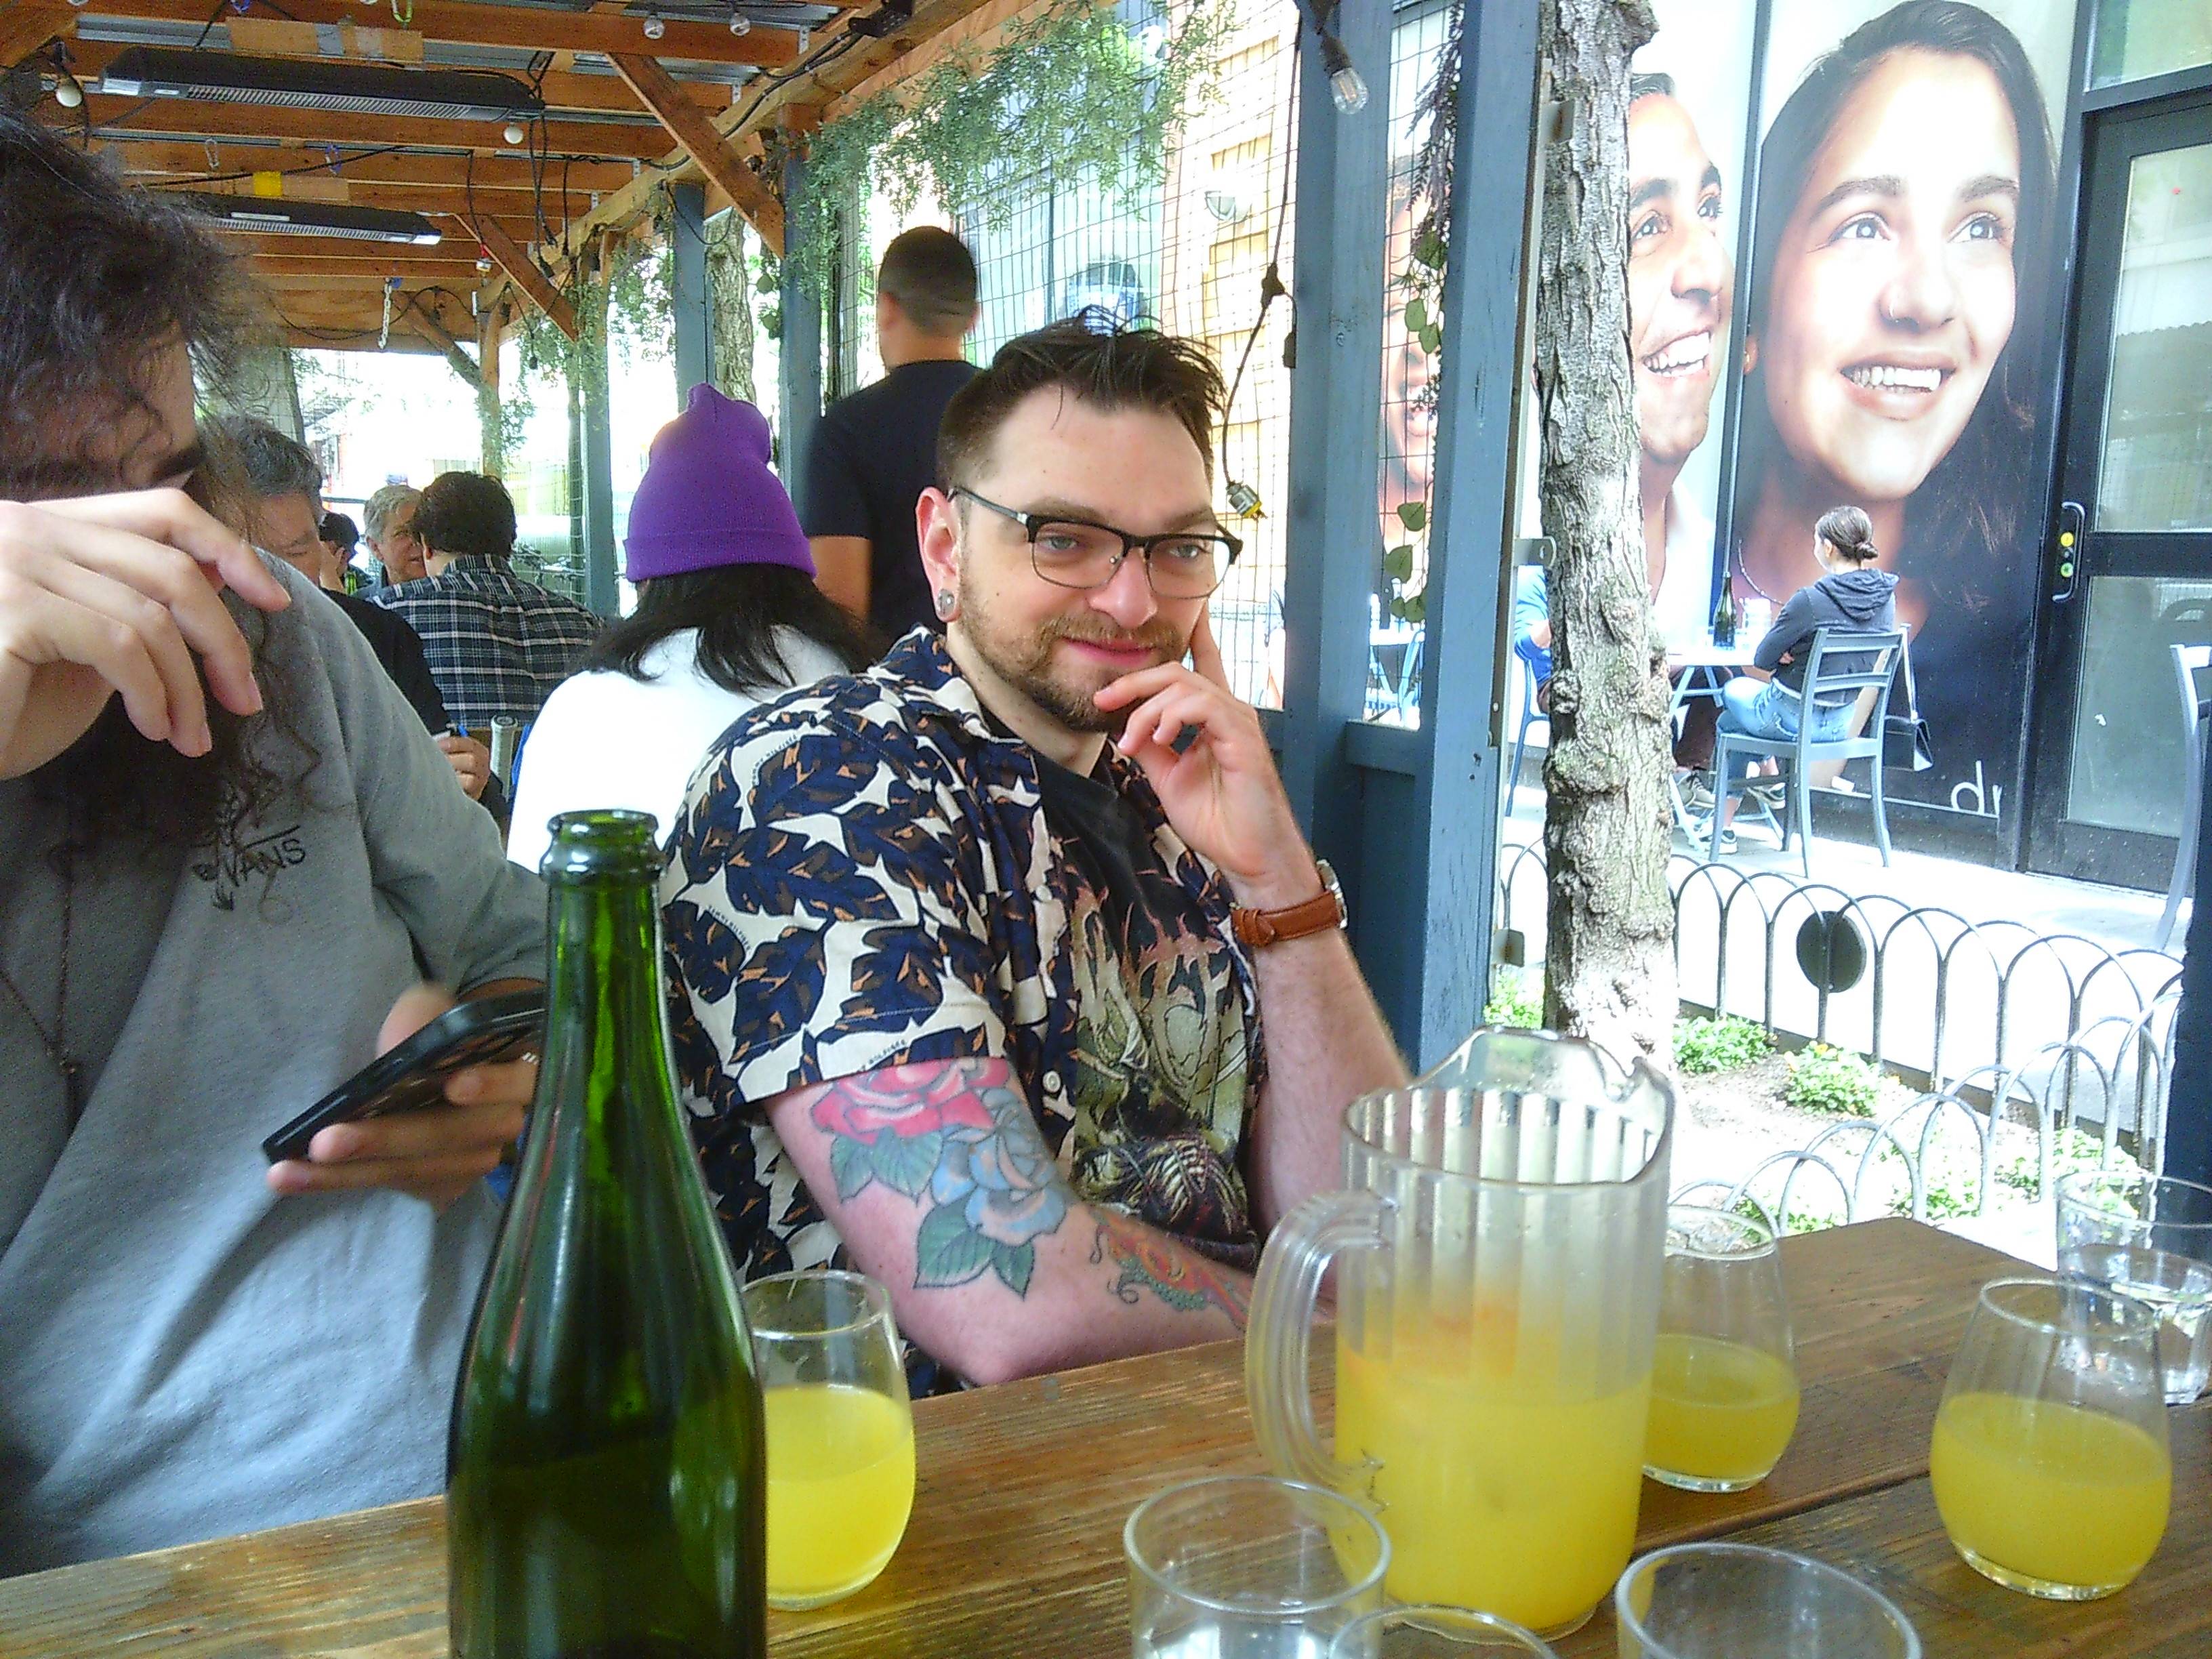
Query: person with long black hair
[[728, 616], [1904, 197]]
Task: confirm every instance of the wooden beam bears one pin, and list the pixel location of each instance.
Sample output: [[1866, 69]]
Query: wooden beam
[[533, 28], [426, 322], [703, 142], [335, 280], [527, 277], [112, 116], [310, 339], [24, 31], [174, 158], [461, 272], [979, 31]]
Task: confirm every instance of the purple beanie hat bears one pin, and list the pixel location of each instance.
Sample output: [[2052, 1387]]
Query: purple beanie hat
[[707, 498]]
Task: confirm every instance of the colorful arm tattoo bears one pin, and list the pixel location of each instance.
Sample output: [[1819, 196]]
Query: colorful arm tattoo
[[1143, 1260]]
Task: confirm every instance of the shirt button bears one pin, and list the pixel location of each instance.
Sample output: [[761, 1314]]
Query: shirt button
[[1051, 1081]]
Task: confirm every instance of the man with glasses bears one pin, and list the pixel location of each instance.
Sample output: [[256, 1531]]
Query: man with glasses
[[976, 946]]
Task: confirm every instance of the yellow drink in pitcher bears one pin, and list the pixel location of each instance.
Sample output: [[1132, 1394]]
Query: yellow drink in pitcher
[[1497, 1492], [839, 1487], [2055, 1495], [1722, 1412]]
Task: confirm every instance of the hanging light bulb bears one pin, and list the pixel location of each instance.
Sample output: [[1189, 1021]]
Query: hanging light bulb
[[67, 93], [514, 133], [739, 22], [1345, 88], [654, 28]]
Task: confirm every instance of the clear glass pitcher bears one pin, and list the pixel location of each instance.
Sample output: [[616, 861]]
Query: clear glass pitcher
[[1498, 1251]]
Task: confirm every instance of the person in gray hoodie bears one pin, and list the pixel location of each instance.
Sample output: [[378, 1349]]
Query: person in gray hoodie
[[1767, 699]]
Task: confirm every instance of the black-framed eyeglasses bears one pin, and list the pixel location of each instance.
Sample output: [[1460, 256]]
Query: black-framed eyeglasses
[[1183, 564]]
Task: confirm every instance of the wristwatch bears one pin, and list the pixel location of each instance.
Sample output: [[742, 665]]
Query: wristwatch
[[1256, 929]]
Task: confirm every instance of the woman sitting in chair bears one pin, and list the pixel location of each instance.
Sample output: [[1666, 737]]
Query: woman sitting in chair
[[1766, 700]]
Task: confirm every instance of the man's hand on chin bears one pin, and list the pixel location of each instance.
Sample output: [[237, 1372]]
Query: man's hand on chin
[[437, 1154]]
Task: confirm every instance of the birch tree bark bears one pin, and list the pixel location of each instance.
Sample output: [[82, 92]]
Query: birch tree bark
[[1609, 972]]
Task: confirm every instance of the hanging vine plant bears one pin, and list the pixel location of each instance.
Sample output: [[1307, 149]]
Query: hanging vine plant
[[1067, 92]]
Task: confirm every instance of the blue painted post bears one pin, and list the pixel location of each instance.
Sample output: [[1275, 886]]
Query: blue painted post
[[1336, 401], [1452, 861], [600, 592], [800, 346], [694, 345]]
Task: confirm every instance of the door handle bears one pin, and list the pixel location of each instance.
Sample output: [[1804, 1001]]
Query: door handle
[[2073, 523]]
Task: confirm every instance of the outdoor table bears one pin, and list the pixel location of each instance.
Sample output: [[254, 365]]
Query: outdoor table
[[1015, 1547]]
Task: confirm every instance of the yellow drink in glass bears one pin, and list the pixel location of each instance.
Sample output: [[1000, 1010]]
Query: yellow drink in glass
[[2047, 1497], [1497, 1493], [1722, 1412], [839, 1487]]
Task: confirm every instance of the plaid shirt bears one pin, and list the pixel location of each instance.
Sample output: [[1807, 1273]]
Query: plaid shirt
[[496, 644]]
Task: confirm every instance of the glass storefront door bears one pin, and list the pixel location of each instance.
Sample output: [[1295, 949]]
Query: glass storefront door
[[2132, 575]]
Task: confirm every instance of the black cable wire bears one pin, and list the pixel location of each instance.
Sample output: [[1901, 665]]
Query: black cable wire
[[1271, 288]]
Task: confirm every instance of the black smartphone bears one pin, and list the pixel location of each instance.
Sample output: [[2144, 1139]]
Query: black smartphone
[[413, 1075]]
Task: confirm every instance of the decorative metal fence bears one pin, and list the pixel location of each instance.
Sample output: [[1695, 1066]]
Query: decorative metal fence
[[1996, 1023]]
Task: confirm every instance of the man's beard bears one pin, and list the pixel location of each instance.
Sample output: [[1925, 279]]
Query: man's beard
[[1025, 663]]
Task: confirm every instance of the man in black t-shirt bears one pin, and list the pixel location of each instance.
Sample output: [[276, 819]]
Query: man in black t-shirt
[[874, 452]]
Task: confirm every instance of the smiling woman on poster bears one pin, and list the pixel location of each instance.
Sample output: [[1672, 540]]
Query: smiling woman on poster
[[1904, 192]]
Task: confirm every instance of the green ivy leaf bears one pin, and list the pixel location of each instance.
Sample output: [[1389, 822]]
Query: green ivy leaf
[[906, 1165], [1417, 316], [850, 1167], [1413, 608], [1014, 1263], [1431, 339], [948, 1251], [1414, 515], [1428, 249], [1398, 562]]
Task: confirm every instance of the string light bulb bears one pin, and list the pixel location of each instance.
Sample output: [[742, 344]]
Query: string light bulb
[[67, 93], [514, 133], [740, 23], [654, 28], [1347, 90]]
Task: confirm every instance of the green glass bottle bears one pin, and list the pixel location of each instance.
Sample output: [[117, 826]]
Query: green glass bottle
[[606, 1492]]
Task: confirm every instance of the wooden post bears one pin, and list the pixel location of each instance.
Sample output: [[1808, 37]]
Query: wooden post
[[800, 347], [695, 346], [600, 592]]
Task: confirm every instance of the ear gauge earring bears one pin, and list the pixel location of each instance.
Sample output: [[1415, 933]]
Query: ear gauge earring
[[946, 605]]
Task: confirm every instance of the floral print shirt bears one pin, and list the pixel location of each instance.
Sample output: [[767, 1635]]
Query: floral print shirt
[[863, 876]]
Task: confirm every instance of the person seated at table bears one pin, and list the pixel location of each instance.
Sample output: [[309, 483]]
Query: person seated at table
[[976, 946], [230, 854], [1532, 643], [728, 616], [340, 535], [1766, 700]]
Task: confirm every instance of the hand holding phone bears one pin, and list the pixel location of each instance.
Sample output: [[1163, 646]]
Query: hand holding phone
[[433, 1114]]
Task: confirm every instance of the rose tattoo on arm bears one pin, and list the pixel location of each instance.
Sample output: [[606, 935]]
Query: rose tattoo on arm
[[956, 1137]]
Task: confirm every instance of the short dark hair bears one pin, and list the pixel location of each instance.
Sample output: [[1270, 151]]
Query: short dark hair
[[339, 531], [466, 513], [97, 280], [932, 274], [267, 462], [1109, 366]]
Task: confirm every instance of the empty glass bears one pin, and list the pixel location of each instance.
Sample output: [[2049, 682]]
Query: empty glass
[[1429, 1631], [1248, 1567], [2050, 1458], [840, 1432], [1724, 1378], [2149, 1238], [1739, 1601]]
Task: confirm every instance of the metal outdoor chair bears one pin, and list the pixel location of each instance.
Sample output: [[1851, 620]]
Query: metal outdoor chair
[[2192, 674], [1529, 715], [1839, 665]]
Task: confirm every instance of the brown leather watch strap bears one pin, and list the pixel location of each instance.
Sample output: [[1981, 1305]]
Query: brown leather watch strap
[[1258, 928]]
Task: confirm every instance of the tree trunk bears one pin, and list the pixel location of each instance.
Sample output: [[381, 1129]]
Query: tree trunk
[[491, 415], [1609, 972], [730, 302]]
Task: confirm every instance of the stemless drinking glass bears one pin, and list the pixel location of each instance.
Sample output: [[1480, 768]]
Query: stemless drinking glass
[[2050, 1459], [2149, 1238], [1739, 1601], [1723, 1379], [840, 1432], [1429, 1631], [1248, 1567]]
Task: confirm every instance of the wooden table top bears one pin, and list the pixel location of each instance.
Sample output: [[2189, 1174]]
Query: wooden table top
[[1015, 1547]]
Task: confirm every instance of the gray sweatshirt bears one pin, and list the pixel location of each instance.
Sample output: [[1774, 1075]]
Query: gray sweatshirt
[[183, 1353], [1847, 601]]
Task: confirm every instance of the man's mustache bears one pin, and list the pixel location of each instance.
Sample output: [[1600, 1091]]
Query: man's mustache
[[1159, 636]]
